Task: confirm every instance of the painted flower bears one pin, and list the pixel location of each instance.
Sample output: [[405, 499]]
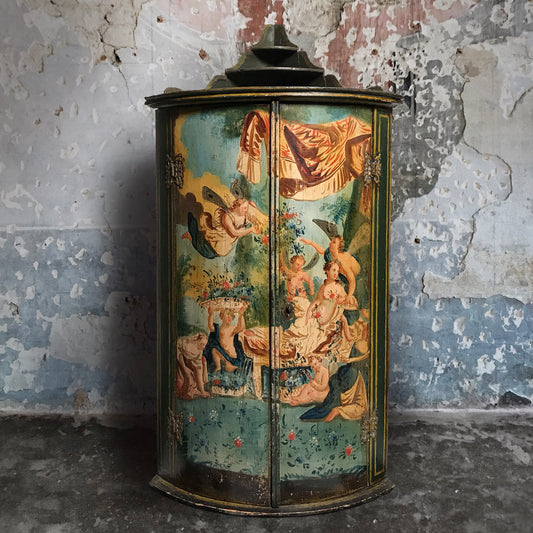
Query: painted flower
[[213, 415], [283, 376], [292, 436], [205, 295], [238, 442], [333, 438], [216, 381], [288, 216], [265, 240], [191, 418], [317, 314], [348, 450], [225, 285]]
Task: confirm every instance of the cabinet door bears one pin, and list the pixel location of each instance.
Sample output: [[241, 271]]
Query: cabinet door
[[217, 393], [327, 241]]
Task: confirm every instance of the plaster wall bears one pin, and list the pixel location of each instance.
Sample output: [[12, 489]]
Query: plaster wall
[[77, 206]]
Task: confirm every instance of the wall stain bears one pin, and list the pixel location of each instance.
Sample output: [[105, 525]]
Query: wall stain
[[77, 292]]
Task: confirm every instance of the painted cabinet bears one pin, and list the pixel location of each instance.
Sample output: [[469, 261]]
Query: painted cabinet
[[273, 208]]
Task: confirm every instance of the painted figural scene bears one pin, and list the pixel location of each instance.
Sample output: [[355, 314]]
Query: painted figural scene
[[317, 348]]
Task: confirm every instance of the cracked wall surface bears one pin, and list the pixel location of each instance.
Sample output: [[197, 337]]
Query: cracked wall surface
[[77, 208]]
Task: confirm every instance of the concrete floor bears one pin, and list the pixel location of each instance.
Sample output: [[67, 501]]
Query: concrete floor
[[454, 472]]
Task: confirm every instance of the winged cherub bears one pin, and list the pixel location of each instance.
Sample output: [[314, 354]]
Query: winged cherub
[[349, 266], [216, 235]]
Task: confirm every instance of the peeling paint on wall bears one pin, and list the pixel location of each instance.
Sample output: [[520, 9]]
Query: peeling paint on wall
[[500, 258], [466, 244], [14, 64], [77, 214], [103, 26], [66, 326]]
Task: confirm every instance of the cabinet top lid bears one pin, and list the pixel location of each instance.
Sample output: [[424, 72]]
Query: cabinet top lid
[[274, 61], [273, 64]]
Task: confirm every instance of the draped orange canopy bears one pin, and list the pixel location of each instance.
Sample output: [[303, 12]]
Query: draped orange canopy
[[316, 160]]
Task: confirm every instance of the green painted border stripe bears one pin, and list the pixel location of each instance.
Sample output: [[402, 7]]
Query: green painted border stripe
[[163, 147], [381, 259]]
